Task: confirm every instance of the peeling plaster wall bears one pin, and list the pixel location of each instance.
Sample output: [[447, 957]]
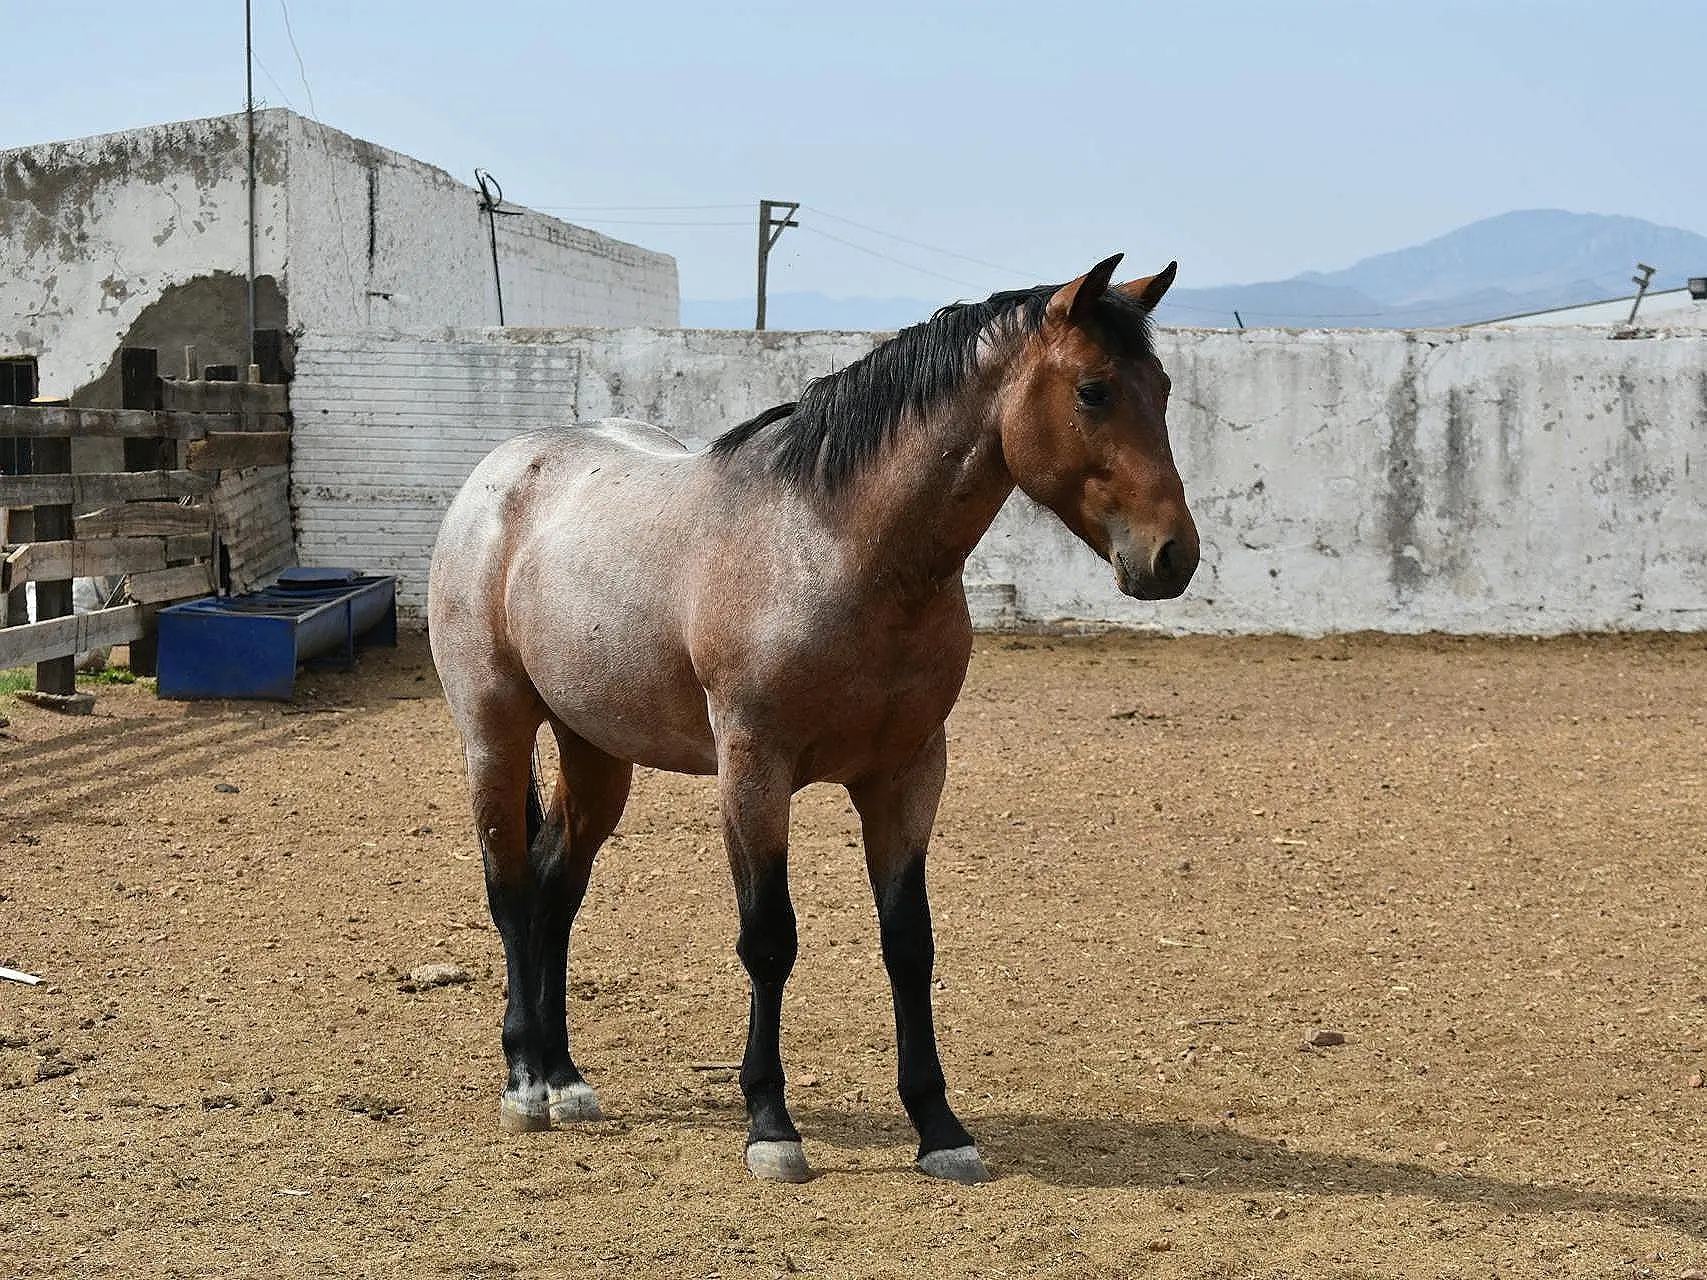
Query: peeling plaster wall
[[1520, 482], [101, 233], [96, 231]]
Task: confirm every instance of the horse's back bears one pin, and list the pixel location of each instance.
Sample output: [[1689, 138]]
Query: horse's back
[[558, 574]]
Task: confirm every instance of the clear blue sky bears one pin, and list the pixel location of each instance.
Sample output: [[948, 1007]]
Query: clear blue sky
[[1249, 140]]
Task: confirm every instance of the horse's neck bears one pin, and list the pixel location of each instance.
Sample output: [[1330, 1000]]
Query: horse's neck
[[919, 512]]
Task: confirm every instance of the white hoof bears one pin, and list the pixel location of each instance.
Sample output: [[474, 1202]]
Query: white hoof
[[575, 1103], [778, 1161], [524, 1113], [956, 1164]]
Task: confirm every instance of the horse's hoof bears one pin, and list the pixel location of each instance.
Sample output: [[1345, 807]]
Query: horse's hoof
[[778, 1161], [574, 1103], [955, 1164], [518, 1115]]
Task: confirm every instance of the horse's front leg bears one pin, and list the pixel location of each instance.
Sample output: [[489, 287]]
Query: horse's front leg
[[897, 811], [755, 788]]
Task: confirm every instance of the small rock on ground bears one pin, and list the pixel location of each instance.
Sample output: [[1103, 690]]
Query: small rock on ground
[[433, 975]]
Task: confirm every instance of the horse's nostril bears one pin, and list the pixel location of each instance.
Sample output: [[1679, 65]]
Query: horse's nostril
[[1166, 563]]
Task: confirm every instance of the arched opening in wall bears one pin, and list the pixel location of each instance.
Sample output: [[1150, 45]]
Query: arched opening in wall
[[208, 313]]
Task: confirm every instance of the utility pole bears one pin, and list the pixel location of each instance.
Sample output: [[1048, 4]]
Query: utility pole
[[770, 228], [1641, 283]]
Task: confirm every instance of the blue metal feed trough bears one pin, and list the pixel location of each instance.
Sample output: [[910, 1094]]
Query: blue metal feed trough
[[249, 646]]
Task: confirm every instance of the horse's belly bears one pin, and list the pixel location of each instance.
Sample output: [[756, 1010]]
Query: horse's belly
[[649, 710]]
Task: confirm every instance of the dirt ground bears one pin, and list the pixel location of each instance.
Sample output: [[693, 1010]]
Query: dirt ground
[[1160, 865]]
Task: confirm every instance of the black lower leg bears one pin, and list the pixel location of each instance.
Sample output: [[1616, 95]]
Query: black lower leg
[[533, 918], [768, 945], [909, 954], [525, 1039], [560, 871]]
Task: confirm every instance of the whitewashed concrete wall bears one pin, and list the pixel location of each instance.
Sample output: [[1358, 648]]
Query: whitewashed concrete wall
[[99, 235], [96, 230], [1521, 482], [378, 239]]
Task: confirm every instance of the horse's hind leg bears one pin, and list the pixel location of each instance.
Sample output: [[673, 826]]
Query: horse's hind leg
[[536, 873], [591, 790], [897, 812]]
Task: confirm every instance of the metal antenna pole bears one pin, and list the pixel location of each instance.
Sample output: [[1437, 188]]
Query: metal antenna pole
[[249, 115], [770, 229], [491, 200]]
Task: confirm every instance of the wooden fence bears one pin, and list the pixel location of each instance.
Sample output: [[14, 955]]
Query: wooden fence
[[201, 506]]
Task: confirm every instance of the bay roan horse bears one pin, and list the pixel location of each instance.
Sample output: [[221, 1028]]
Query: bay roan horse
[[782, 608]]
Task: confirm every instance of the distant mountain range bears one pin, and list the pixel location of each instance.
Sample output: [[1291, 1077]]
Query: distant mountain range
[[1506, 265]]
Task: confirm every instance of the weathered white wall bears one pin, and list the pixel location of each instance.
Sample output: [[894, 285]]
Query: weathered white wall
[[378, 239], [388, 425], [1522, 482], [99, 235], [96, 230]]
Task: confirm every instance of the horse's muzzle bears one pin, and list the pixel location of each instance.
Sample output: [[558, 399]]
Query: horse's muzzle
[[1165, 576]]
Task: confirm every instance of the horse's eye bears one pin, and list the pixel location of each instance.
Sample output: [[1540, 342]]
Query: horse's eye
[[1094, 395]]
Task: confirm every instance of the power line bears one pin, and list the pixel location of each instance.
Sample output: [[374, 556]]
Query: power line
[[911, 266], [919, 244], [285, 97], [640, 222], [314, 115], [636, 208], [301, 71]]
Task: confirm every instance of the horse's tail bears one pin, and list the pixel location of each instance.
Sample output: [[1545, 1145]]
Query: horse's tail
[[545, 834]]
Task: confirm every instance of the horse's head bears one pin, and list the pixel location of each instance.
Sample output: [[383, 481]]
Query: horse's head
[[1084, 430]]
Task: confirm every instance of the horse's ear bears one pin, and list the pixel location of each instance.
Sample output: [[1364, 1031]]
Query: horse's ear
[[1148, 291], [1072, 302]]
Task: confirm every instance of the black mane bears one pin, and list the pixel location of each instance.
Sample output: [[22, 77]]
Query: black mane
[[843, 419]]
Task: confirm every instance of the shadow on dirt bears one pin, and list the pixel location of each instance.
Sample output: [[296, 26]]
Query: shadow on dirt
[[1120, 1153], [88, 763]]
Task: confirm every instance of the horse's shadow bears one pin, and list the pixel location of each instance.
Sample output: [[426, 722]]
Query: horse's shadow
[[1076, 1152]]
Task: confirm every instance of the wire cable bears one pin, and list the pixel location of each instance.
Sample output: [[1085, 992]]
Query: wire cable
[[911, 266], [636, 208], [919, 244], [645, 222], [314, 115]]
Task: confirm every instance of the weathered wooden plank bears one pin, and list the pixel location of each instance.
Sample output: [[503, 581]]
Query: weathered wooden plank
[[252, 516], [146, 519], [189, 546], [98, 487], [171, 584], [44, 422], [224, 397], [244, 499], [238, 449], [87, 558], [63, 637]]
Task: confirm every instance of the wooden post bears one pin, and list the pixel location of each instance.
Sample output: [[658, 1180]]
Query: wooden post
[[17, 386], [56, 677], [139, 388], [271, 355]]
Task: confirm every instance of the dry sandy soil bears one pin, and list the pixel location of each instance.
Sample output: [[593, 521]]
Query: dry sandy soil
[[1161, 863]]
